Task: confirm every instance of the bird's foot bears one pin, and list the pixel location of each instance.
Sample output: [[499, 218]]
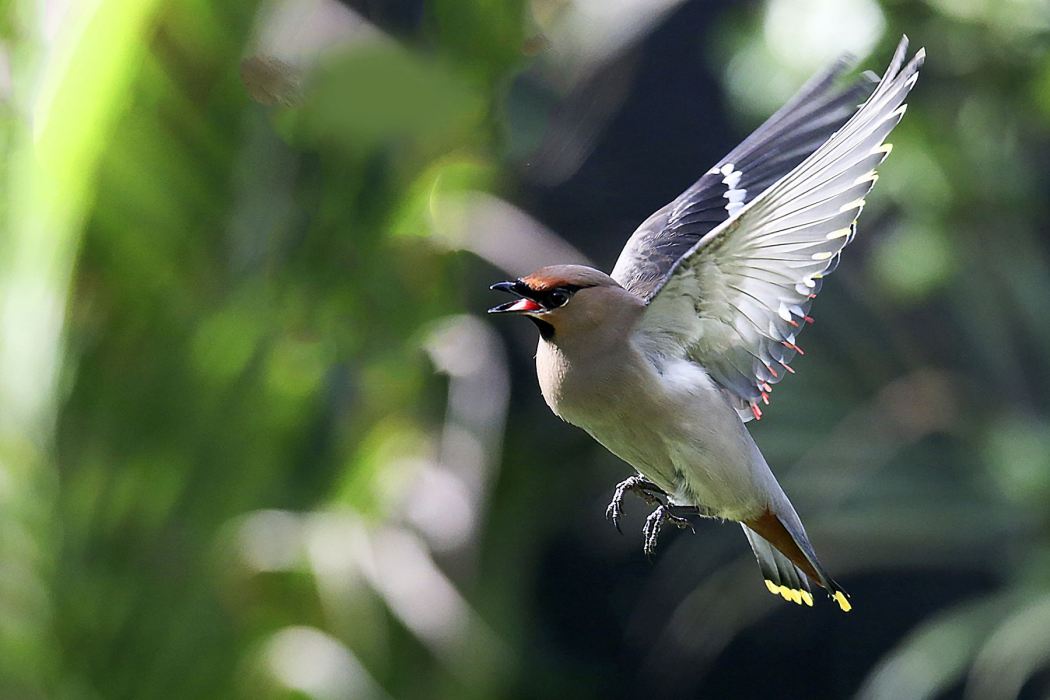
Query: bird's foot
[[647, 490], [675, 515]]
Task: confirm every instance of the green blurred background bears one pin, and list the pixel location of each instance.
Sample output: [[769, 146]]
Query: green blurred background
[[258, 439]]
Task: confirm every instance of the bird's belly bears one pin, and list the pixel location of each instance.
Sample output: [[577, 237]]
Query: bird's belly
[[645, 450], [724, 481], [690, 442], [718, 478]]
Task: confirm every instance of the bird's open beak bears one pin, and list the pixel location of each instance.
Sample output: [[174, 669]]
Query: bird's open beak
[[523, 305]]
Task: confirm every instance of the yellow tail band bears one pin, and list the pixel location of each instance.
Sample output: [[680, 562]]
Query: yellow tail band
[[792, 595]]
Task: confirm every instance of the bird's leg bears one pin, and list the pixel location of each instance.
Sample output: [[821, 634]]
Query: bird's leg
[[647, 490], [665, 514]]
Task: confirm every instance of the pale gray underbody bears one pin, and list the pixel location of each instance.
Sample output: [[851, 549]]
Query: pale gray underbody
[[667, 419]]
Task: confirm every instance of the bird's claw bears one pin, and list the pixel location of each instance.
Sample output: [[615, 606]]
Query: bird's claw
[[646, 489], [655, 522], [615, 511], [658, 499]]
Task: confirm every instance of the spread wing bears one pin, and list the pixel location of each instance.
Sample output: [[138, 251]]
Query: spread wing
[[781, 143], [736, 300]]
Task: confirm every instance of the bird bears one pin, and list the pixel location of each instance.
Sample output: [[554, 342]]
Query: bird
[[667, 358]]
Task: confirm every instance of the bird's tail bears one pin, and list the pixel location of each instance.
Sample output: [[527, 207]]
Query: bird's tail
[[788, 562]]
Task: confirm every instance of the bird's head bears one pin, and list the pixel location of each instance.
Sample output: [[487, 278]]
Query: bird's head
[[564, 299]]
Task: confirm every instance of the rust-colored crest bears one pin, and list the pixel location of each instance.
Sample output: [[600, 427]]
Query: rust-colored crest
[[566, 276]]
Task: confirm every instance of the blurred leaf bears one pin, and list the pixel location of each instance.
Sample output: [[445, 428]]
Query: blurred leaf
[[487, 37], [912, 262], [377, 94], [1017, 450], [934, 658]]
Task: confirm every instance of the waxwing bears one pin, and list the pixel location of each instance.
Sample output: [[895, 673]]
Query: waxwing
[[665, 360]]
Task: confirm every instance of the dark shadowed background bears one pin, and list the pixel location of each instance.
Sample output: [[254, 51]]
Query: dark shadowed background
[[259, 439]]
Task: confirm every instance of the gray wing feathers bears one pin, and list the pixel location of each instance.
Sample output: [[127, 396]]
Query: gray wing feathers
[[751, 280], [770, 152]]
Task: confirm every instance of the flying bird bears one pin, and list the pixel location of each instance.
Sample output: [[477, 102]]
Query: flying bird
[[665, 360]]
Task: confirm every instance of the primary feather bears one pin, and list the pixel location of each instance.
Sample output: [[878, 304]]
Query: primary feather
[[783, 141], [736, 300]]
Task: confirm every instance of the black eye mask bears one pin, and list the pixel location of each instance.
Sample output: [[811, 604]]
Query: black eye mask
[[556, 297]]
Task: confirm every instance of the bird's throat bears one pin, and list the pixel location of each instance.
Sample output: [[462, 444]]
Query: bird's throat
[[546, 329]]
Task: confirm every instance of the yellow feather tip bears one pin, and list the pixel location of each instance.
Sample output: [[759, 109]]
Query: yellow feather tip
[[791, 595], [802, 597]]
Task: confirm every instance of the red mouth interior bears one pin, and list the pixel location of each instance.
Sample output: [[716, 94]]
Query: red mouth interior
[[524, 305]]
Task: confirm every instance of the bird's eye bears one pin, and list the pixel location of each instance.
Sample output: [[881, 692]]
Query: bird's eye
[[557, 298]]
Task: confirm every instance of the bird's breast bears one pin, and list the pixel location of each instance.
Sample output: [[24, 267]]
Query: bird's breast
[[591, 388], [667, 419]]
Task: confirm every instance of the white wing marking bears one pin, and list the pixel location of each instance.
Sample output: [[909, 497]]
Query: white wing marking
[[736, 300]]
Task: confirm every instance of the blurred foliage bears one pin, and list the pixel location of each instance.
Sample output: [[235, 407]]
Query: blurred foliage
[[250, 445]]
